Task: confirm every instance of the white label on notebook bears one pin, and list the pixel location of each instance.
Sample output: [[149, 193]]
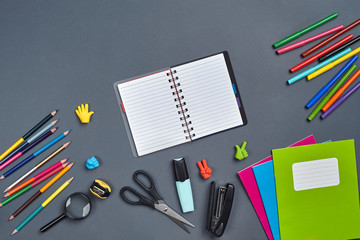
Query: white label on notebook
[[316, 174]]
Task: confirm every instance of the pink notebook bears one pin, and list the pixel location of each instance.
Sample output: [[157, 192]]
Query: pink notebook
[[248, 179]]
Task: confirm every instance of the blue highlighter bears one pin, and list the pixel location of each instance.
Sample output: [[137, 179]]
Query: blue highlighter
[[183, 185]]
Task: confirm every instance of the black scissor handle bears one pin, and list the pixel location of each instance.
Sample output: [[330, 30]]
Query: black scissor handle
[[152, 189], [142, 200]]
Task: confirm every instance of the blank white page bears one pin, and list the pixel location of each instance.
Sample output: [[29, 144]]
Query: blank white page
[[209, 96], [151, 112]]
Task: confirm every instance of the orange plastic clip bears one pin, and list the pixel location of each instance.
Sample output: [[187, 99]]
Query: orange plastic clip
[[205, 171]]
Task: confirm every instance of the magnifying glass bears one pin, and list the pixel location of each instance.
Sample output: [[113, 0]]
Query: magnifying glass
[[77, 207]]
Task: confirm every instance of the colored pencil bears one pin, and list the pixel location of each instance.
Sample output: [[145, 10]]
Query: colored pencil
[[320, 65], [36, 177], [332, 81], [332, 91], [329, 39], [28, 159], [42, 206], [29, 141], [53, 154], [332, 64], [340, 100], [316, 56], [305, 30], [29, 147], [308, 40], [339, 49], [41, 191], [28, 134], [341, 91]]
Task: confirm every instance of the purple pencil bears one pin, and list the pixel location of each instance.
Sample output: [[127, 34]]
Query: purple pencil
[[340, 101]]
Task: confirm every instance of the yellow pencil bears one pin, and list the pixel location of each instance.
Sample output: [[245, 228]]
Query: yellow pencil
[[333, 64]]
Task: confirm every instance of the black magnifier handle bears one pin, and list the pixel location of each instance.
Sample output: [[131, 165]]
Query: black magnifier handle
[[52, 223]]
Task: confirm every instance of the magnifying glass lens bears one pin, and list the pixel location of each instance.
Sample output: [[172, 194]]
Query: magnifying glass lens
[[77, 206]]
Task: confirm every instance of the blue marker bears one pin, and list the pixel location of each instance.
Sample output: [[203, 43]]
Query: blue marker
[[183, 185]]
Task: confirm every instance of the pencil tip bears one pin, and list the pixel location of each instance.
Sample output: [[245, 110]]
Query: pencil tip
[[69, 181], [15, 231], [54, 112], [64, 160], [6, 195], [7, 189], [67, 144], [11, 218], [2, 177], [70, 165], [67, 132], [54, 122], [0, 204], [54, 129]]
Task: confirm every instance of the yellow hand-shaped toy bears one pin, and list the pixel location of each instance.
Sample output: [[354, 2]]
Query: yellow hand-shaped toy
[[83, 113]]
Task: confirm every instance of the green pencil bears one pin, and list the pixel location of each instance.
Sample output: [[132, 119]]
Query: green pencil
[[331, 93], [305, 30], [12, 197]]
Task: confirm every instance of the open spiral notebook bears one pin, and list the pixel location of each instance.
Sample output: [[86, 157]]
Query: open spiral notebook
[[180, 104]]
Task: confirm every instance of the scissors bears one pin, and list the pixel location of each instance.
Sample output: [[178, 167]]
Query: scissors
[[159, 204]]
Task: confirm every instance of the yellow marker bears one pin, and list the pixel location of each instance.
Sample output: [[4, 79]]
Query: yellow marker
[[333, 64]]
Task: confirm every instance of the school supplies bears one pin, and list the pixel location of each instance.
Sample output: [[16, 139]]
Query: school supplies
[[29, 147], [205, 171], [219, 208], [308, 40], [323, 52], [317, 191], [241, 153], [188, 101], [100, 189], [37, 153], [331, 82], [339, 49], [41, 191], [42, 206], [340, 100], [28, 134], [92, 163], [329, 39], [53, 154], [333, 64], [83, 113], [183, 185], [77, 207], [319, 66], [331, 93], [305, 30], [158, 203]]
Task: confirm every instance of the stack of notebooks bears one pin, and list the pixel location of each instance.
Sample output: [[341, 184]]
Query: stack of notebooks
[[306, 191]]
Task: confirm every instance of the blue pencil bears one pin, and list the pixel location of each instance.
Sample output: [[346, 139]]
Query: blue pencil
[[32, 156], [332, 81]]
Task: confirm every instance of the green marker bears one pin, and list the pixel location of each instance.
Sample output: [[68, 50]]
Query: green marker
[[331, 93], [305, 30]]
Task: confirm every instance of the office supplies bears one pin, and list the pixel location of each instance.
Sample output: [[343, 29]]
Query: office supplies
[[77, 207], [28, 134], [183, 185], [100, 189], [158, 203], [241, 153], [332, 64], [319, 66], [41, 191], [339, 49], [305, 30], [29, 141], [340, 101], [249, 182], [39, 177], [219, 208], [83, 113], [205, 171], [322, 53], [331, 93], [29, 147], [37, 153], [331, 82], [92, 163], [329, 39], [48, 158], [308, 40], [42, 206], [317, 191], [340, 91], [186, 100]]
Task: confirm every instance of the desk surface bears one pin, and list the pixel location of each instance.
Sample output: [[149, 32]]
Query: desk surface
[[56, 55]]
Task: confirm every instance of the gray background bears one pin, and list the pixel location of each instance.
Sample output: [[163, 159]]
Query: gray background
[[59, 54]]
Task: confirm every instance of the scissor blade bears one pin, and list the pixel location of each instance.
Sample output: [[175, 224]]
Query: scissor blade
[[180, 224], [162, 207]]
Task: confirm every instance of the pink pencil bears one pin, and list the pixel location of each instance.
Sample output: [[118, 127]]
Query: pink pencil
[[310, 39]]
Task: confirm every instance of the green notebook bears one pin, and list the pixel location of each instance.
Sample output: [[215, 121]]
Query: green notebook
[[317, 191]]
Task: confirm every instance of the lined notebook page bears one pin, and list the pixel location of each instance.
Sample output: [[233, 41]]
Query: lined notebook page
[[151, 112], [209, 96]]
